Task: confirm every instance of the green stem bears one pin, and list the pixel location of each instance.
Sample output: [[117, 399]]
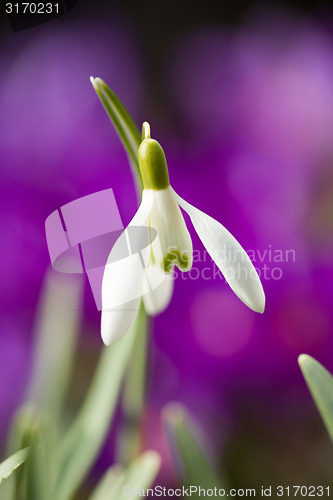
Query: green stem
[[129, 443], [134, 388]]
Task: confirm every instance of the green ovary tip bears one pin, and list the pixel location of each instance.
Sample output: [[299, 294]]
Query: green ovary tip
[[152, 162], [175, 257], [145, 131]]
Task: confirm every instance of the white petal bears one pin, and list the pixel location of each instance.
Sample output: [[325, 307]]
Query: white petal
[[157, 299], [158, 286], [123, 278], [115, 323], [168, 221], [142, 215], [228, 255]]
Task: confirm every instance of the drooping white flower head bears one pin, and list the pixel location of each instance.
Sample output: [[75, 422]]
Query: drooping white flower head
[[142, 267]]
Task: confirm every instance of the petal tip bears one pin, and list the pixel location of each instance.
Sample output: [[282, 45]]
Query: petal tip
[[108, 336], [258, 304], [106, 341], [255, 301], [112, 328], [261, 308], [258, 308], [115, 323]]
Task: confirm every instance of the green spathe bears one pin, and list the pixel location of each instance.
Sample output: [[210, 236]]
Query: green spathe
[[152, 162]]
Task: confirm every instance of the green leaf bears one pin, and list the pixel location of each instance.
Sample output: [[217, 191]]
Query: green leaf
[[34, 429], [110, 486], [143, 471], [128, 444], [127, 130], [20, 436], [56, 329], [189, 449], [87, 434], [35, 423], [8, 466], [41, 465], [140, 474], [320, 383]]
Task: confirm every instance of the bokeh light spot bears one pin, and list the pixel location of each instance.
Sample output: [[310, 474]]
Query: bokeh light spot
[[222, 325], [302, 322]]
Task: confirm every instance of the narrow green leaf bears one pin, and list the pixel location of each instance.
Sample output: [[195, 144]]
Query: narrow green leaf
[[142, 472], [128, 445], [127, 130], [34, 429], [86, 435], [8, 466], [56, 327], [7, 488], [20, 436], [40, 467], [320, 383], [188, 448], [118, 482], [110, 486]]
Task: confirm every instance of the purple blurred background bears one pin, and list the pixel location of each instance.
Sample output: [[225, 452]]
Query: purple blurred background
[[242, 102]]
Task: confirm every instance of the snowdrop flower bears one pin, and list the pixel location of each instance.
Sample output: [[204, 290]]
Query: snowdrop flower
[[140, 268]]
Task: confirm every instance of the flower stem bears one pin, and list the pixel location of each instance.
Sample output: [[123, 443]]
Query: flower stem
[[134, 389], [145, 131]]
